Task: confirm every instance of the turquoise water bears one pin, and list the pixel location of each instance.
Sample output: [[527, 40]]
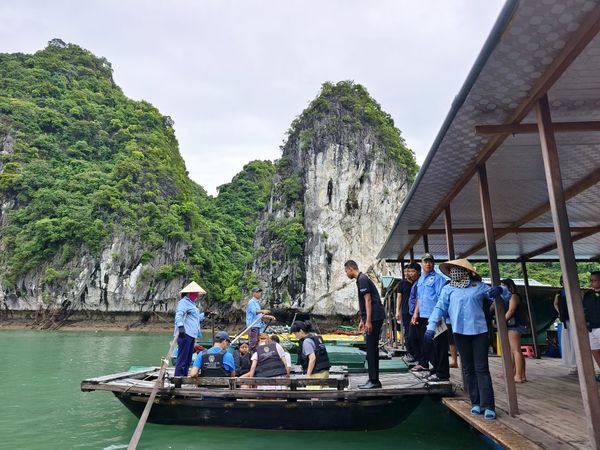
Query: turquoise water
[[42, 407]]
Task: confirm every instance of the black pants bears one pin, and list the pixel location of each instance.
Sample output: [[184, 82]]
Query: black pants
[[473, 350], [373, 351], [424, 349], [439, 356], [406, 332], [253, 335]]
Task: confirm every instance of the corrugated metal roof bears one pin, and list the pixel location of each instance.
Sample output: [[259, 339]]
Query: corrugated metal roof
[[524, 50]]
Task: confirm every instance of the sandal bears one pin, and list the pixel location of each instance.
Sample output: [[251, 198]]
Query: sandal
[[419, 368], [475, 410], [489, 414]]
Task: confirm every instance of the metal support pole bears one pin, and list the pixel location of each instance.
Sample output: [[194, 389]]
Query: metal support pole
[[532, 325], [583, 354], [490, 241], [449, 234]]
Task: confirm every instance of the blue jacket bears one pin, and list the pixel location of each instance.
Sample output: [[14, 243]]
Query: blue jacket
[[465, 308], [189, 316]]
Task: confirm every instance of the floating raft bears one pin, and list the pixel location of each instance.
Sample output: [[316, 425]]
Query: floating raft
[[295, 403]]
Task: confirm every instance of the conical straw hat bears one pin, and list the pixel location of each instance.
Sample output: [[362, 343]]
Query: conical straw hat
[[445, 267], [193, 287]]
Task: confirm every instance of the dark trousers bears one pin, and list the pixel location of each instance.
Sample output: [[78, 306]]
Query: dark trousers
[[253, 335], [424, 348], [406, 333], [473, 350], [439, 356], [185, 350], [373, 351]]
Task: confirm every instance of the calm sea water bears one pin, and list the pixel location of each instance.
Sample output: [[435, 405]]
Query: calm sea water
[[41, 406]]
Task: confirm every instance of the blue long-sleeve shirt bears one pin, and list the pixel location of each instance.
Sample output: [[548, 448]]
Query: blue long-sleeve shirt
[[427, 292], [189, 316], [465, 308], [252, 313]]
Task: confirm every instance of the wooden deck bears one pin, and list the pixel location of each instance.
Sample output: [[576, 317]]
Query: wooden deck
[[550, 408]]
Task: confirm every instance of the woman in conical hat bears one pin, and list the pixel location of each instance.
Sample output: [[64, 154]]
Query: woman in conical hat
[[463, 300], [187, 326]]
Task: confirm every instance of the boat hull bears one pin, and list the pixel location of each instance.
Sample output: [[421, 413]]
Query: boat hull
[[364, 414]]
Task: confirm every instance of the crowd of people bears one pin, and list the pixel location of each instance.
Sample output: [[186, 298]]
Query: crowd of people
[[441, 312]]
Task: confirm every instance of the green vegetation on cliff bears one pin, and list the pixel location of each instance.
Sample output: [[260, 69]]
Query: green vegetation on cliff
[[81, 163], [351, 105]]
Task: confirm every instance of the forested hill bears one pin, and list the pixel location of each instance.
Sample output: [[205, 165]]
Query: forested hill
[[94, 191]]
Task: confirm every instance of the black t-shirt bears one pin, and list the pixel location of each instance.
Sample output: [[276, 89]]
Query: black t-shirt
[[404, 288], [366, 286], [591, 308]]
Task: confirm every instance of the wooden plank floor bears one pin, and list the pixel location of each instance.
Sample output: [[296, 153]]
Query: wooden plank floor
[[550, 404]]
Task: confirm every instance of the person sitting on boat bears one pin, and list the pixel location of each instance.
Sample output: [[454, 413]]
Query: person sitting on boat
[[462, 299], [216, 361], [242, 359], [187, 326], [286, 355], [312, 354], [268, 360]]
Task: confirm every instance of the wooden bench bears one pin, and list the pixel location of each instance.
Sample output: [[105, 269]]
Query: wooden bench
[[337, 381]]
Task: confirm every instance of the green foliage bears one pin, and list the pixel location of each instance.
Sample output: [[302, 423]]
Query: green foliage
[[544, 272], [89, 164], [354, 108], [290, 232]]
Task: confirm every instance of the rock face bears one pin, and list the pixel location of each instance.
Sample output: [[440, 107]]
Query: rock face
[[116, 281], [351, 188]]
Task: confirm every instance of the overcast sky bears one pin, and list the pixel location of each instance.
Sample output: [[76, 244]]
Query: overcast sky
[[234, 74]]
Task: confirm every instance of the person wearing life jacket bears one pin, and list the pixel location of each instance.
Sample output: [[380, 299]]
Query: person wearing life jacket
[[216, 361], [268, 360], [312, 354]]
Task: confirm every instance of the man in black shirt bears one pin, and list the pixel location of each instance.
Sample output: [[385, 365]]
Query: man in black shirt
[[372, 315], [591, 308], [411, 274]]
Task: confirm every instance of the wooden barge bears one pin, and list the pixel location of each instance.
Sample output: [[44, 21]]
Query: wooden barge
[[295, 403]]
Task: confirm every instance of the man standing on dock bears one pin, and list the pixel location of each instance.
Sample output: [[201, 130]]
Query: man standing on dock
[[187, 326], [253, 310], [427, 292], [372, 315], [411, 275]]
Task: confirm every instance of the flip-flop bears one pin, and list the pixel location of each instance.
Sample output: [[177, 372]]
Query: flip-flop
[[475, 410], [489, 414]]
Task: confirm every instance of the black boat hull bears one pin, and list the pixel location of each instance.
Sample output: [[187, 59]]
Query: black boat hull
[[364, 414]]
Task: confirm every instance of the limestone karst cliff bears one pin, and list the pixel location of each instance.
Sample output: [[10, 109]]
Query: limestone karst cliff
[[343, 175]]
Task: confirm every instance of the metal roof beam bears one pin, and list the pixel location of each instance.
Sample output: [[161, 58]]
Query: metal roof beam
[[583, 184], [550, 247], [532, 128], [505, 230]]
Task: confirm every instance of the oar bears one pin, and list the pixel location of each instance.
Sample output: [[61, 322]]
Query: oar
[[259, 317], [137, 434]]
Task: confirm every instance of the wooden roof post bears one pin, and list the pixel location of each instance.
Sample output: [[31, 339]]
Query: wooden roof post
[[488, 228], [412, 254], [583, 354], [532, 325], [426, 243], [449, 234]]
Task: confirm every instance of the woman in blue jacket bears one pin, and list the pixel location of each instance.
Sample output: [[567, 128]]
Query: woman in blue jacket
[[463, 300]]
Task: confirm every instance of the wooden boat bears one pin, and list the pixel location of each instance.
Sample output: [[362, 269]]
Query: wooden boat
[[271, 403]]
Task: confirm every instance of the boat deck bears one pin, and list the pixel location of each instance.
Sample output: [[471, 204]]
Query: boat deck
[[550, 407], [338, 387]]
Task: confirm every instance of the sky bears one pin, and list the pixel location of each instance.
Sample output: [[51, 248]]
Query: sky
[[233, 74]]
